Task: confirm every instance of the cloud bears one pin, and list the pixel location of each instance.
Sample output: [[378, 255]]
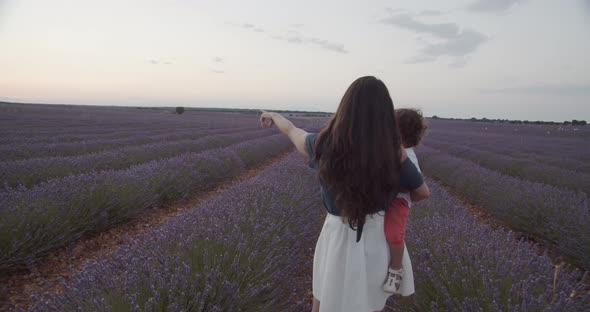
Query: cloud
[[561, 89], [322, 43], [217, 62], [293, 36], [420, 59], [159, 62], [458, 63], [430, 13], [486, 6], [332, 46], [294, 39], [450, 39], [466, 42], [396, 10], [407, 21]]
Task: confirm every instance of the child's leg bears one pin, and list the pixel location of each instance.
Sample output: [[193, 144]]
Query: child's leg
[[396, 218], [397, 254]]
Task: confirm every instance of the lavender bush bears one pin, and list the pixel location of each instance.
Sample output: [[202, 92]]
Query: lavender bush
[[53, 120], [461, 264], [238, 251], [560, 146], [34, 221], [558, 161], [33, 171], [507, 129], [91, 144], [519, 167], [556, 216]]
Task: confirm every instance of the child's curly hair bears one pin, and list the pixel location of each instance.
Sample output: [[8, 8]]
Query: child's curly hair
[[412, 126]]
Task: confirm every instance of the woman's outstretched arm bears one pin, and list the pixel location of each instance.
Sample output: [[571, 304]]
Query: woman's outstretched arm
[[296, 135]]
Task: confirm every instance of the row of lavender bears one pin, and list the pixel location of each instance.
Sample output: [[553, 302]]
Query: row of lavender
[[92, 144], [528, 130], [239, 251], [106, 134], [29, 172], [48, 121], [559, 161], [36, 220], [461, 264], [520, 167], [568, 150], [556, 216]]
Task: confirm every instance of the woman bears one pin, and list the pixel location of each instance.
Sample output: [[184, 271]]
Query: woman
[[362, 167]]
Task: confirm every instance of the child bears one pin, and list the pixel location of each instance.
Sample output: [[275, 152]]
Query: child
[[411, 126]]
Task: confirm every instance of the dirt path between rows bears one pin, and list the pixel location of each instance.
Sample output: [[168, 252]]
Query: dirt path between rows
[[16, 289]]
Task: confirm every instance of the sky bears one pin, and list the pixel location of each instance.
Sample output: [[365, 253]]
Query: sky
[[515, 59]]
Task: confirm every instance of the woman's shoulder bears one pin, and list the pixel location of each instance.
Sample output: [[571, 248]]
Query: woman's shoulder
[[310, 140], [310, 147], [410, 176]]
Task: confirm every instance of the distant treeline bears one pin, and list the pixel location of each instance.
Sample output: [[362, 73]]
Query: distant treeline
[[293, 113], [520, 122]]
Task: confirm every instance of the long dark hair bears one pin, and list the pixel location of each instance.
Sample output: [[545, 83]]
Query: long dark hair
[[360, 151]]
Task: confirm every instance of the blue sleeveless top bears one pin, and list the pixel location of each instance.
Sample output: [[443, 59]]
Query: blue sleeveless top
[[410, 178]]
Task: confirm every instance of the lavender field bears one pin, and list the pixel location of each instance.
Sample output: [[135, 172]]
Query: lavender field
[[68, 171], [532, 178], [240, 251], [247, 254], [72, 171]]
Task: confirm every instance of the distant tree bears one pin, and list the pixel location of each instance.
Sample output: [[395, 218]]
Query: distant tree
[[578, 122], [180, 110], [473, 119], [434, 117]]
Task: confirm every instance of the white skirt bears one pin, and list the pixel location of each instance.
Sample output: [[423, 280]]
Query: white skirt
[[349, 276]]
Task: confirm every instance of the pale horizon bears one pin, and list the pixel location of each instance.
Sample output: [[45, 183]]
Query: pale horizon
[[507, 59]]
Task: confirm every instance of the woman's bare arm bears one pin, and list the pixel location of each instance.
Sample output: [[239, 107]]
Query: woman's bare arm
[[296, 135], [421, 193]]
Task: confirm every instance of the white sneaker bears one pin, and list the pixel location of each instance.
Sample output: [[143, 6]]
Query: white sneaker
[[394, 281]]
